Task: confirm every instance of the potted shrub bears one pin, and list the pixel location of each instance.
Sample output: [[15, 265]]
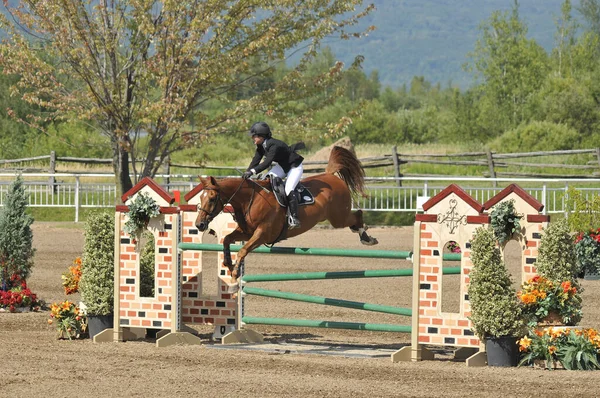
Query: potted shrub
[[495, 310], [587, 253], [505, 221], [97, 272]]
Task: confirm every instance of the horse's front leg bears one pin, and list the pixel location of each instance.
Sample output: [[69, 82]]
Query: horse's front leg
[[236, 235], [255, 240]]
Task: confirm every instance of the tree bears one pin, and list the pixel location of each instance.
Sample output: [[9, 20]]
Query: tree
[[16, 239], [565, 40], [511, 66], [140, 70]]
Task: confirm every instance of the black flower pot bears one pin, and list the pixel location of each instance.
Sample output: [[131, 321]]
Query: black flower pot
[[98, 323], [502, 351]]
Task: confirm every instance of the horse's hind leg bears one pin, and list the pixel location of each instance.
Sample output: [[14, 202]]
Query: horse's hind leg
[[357, 225]]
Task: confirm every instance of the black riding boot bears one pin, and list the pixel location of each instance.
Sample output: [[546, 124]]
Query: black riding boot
[[293, 210]]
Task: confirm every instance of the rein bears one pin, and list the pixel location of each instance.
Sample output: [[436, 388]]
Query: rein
[[212, 214]]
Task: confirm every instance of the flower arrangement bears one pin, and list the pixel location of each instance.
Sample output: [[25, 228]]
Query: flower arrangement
[[542, 297], [572, 348], [453, 247], [587, 251], [141, 210], [70, 279], [18, 297], [70, 320]]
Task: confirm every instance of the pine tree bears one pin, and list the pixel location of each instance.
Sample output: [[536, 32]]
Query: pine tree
[[16, 237]]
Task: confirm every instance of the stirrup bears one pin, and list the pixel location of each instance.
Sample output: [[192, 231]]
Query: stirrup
[[293, 223]]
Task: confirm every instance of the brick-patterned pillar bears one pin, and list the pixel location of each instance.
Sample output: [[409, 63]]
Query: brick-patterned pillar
[[198, 308], [148, 312]]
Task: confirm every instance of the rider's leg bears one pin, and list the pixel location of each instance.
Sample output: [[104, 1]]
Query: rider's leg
[[293, 178], [277, 171]]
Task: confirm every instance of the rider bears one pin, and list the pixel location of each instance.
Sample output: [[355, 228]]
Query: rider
[[288, 163]]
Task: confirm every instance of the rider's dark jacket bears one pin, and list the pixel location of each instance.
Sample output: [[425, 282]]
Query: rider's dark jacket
[[275, 151]]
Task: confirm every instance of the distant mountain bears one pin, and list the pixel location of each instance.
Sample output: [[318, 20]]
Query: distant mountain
[[432, 37]]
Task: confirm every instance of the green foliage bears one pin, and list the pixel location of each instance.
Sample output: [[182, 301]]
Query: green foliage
[[97, 264], [505, 221], [147, 266], [16, 237], [583, 210], [587, 252], [556, 256], [537, 136], [495, 310], [141, 210], [574, 349]]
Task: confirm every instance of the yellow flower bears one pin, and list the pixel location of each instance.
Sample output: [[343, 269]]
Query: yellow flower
[[524, 343], [552, 349]]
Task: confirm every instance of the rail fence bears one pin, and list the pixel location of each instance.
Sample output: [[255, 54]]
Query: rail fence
[[405, 194]]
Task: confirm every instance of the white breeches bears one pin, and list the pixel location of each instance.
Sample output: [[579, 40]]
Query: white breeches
[[293, 176]]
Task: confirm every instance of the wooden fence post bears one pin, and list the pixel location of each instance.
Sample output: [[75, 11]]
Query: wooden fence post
[[490, 159], [52, 170], [396, 165]]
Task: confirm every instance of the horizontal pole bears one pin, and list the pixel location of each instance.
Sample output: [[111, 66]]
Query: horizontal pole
[[303, 251], [304, 276], [376, 327], [328, 301]]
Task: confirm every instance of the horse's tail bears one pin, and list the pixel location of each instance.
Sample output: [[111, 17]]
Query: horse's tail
[[348, 167]]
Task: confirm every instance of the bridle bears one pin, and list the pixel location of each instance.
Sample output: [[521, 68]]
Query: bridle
[[213, 213]]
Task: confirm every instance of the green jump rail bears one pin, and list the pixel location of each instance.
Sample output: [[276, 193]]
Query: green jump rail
[[305, 276], [376, 327], [315, 251], [328, 301]]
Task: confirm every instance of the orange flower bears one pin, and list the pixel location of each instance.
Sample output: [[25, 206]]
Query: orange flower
[[524, 343], [552, 349]]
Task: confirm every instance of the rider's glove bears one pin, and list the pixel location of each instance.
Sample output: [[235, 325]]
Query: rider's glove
[[247, 174]]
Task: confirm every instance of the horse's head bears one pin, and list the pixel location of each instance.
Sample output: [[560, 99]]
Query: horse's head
[[211, 203]]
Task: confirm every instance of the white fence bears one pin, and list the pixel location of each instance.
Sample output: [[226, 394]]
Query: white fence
[[79, 191]]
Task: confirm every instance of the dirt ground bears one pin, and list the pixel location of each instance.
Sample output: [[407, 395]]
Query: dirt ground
[[36, 364]]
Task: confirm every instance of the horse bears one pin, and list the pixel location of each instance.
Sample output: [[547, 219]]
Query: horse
[[260, 218]]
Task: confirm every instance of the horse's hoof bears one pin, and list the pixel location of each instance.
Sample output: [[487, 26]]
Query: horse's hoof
[[370, 242], [233, 288]]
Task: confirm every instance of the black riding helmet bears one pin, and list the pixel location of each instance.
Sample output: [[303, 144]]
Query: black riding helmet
[[260, 129]]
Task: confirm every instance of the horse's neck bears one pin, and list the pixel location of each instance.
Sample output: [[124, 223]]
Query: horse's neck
[[236, 192]]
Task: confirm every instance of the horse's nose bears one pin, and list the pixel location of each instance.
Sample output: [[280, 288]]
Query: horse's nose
[[201, 226]]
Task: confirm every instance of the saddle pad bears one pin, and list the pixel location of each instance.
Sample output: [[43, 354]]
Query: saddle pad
[[305, 197]]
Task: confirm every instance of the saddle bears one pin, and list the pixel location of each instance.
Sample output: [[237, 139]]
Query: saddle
[[305, 197]]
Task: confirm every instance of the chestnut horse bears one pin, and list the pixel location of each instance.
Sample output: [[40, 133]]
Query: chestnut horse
[[261, 219]]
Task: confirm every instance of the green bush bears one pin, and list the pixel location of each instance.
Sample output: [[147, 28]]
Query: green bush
[[147, 265], [495, 309], [537, 136], [556, 258], [97, 264], [584, 213], [16, 237]]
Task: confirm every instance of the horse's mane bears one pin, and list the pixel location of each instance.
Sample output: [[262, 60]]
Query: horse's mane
[[348, 167]]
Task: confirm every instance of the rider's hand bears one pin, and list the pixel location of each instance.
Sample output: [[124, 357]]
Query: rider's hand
[[247, 174]]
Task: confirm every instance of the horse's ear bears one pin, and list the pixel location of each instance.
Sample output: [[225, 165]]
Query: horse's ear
[[212, 180], [202, 182]]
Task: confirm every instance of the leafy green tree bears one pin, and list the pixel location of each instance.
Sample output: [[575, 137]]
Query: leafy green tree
[[16, 239], [139, 69], [566, 28], [511, 67]]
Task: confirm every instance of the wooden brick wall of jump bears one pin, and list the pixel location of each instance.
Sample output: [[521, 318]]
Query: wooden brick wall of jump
[[178, 298], [453, 215]]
